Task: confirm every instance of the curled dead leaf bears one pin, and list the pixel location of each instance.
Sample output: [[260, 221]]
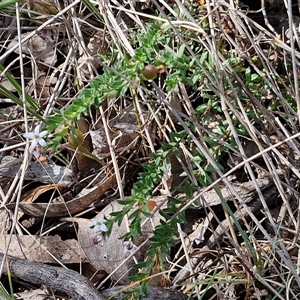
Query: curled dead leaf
[[86, 197]]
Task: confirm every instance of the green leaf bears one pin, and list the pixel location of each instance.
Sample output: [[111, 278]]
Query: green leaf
[[139, 277], [203, 57], [127, 201], [181, 51], [144, 264], [16, 100], [19, 89], [6, 3]]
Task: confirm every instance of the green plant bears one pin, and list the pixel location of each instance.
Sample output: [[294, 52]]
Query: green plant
[[141, 192], [151, 47], [136, 206]]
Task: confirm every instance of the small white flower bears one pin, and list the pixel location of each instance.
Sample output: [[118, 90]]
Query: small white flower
[[37, 138], [129, 247], [99, 224]]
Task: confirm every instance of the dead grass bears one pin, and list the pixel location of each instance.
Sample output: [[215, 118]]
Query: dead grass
[[240, 154]]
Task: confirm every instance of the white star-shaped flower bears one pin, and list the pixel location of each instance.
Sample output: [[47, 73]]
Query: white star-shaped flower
[[99, 224], [37, 138]]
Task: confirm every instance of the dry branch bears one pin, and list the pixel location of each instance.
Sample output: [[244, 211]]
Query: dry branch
[[56, 278]]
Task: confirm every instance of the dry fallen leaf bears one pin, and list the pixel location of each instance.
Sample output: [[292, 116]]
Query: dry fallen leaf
[[108, 253], [45, 249], [5, 221], [44, 85], [46, 173], [84, 164], [33, 195], [41, 49], [37, 294], [124, 131], [7, 85], [89, 62]]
